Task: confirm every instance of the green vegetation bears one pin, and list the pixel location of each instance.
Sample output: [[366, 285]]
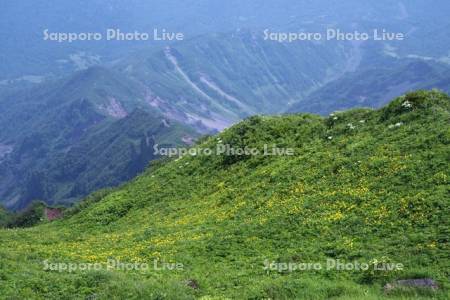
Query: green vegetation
[[31, 216], [4, 216], [363, 185]]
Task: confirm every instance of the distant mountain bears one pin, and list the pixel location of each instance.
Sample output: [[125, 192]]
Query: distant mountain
[[216, 80], [219, 79], [374, 86], [26, 57], [68, 138]]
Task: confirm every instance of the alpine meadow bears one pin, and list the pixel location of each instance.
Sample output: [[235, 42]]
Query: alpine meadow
[[222, 150]]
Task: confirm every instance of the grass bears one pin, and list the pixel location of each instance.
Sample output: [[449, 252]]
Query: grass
[[363, 185]]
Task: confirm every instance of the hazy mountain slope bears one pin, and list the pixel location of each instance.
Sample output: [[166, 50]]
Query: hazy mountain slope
[[95, 91], [375, 86], [216, 80], [65, 139], [219, 79], [27, 57], [366, 186]]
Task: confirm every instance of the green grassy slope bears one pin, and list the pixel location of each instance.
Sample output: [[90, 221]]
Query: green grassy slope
[[362, 186]]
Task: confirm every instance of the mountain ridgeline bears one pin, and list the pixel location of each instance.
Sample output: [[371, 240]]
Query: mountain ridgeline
[[64, 140], [363, 185], [374, 86], [52, 59]]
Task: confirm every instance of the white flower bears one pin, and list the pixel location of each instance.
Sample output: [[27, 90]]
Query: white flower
[[335, 118], [407, 104], [362, 121], [330, 137], [395, 125], [350, 125]]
